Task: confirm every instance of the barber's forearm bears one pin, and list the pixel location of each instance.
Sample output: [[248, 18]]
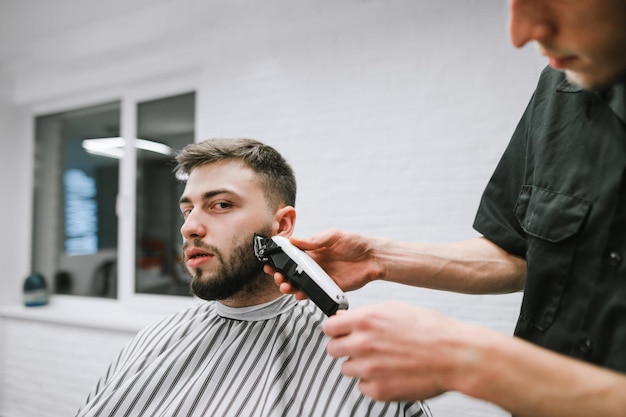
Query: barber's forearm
[[475, 266], [530, 381]]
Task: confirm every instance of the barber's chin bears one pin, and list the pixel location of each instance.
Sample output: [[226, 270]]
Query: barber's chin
[[579, 80], [595, 81]]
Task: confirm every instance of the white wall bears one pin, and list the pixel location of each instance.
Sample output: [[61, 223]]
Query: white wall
[[393, 114], [48, 369], [12, 187]]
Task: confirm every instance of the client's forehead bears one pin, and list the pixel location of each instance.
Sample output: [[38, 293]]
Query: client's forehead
[[230, 175]]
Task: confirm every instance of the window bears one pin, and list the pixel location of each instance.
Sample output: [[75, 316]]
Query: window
[[159, 270], [78, 235], [75, 226]]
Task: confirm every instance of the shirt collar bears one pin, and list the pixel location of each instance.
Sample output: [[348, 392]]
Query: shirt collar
[[614, 96], [617, 101], [567, 87], [257, 312]]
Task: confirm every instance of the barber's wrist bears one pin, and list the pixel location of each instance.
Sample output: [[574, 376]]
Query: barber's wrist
[[380, 255], [473, 349]]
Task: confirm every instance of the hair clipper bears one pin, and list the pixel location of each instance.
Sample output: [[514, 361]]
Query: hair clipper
[[300, 269]]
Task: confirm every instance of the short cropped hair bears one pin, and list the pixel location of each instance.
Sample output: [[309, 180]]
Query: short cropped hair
[[275, 174]]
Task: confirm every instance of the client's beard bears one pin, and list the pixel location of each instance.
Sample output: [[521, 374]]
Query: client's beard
[[242, 274]]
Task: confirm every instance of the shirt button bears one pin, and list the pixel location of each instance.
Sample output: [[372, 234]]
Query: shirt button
[[615, 259], [586, 347]]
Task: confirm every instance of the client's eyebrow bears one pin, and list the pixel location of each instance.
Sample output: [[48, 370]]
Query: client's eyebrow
[[206, 196]]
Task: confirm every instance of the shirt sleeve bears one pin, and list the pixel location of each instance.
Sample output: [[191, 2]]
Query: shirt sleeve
[[495, 218]]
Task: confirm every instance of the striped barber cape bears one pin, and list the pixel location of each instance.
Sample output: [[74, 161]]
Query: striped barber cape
[[211, 360]]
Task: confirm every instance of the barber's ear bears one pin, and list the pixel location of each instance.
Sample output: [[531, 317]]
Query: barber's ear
[[285, 221]]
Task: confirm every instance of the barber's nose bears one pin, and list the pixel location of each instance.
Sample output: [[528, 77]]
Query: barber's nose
[[193, 227], [530, 20]]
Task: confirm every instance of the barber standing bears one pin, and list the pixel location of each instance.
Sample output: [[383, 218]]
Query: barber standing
[[553, 224]]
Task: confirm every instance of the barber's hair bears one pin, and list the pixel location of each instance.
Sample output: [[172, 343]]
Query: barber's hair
[[275, 174]]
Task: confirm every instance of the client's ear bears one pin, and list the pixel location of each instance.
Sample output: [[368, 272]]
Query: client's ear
[[285, 221]]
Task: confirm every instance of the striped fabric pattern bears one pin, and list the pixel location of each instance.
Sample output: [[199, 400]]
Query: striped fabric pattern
[[211, 360]]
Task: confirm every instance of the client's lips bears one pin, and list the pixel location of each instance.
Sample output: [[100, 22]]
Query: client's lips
[[558, 59], [195, 257]]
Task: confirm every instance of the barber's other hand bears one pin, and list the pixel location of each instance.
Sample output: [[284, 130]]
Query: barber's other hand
[[397, 351], [346, 257]]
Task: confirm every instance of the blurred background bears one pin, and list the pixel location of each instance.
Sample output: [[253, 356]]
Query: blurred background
[[393, 114]]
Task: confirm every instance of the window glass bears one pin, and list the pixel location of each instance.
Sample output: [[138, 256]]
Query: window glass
[[75, 224], [168, 121]]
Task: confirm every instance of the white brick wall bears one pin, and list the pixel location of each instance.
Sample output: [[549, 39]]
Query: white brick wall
[[48, 369], [393, 114]]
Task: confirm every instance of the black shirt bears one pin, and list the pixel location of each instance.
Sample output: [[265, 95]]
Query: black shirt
[[558, 199]]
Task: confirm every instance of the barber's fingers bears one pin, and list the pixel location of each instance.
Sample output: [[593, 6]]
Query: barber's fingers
[[340, 324], [321, 240], [354, 368], [345, 338], [284, 285]]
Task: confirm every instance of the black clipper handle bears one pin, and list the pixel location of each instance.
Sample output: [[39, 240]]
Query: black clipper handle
[[302, 271]]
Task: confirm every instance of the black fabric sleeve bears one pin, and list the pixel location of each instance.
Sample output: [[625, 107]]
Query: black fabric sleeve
[[495, 218]]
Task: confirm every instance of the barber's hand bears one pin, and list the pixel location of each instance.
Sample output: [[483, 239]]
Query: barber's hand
[[398, 352], [284, 285], [346, 257]]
